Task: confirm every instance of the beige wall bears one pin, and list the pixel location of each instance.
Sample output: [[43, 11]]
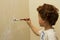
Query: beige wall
[[33, 4], [9, 29], [19, 30]]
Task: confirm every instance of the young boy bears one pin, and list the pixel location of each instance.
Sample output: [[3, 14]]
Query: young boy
[[48, 15]]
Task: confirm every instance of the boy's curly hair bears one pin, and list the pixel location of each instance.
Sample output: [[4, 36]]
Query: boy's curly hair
[[49, 13]]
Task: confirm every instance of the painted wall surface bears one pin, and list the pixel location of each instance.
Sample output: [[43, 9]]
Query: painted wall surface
[[33, 4], [13, 30]]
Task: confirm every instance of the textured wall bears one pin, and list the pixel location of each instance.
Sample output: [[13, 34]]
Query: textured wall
[[9, 29]]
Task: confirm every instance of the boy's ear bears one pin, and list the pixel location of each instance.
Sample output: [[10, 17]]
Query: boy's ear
[[44, 21]]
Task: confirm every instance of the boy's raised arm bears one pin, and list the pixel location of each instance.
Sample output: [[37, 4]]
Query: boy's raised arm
[[34, 29]]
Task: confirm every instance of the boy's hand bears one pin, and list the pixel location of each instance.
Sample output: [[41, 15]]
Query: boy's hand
[[27, 20]]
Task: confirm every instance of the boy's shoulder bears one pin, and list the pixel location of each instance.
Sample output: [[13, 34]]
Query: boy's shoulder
[[50, 32]]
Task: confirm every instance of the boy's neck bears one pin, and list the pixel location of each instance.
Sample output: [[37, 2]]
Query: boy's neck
[[48, 27]]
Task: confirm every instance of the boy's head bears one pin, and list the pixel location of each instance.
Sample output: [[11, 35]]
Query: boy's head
[[47, 13]]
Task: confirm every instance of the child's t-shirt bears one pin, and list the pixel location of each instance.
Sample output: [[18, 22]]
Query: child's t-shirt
[[47, 34]]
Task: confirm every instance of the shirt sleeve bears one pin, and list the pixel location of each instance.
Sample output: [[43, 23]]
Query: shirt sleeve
[[40, 31]]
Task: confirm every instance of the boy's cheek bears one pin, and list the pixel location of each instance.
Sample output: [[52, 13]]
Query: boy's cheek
[[41, 23]]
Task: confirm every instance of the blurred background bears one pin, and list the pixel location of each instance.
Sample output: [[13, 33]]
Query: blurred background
[[17, 9]]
